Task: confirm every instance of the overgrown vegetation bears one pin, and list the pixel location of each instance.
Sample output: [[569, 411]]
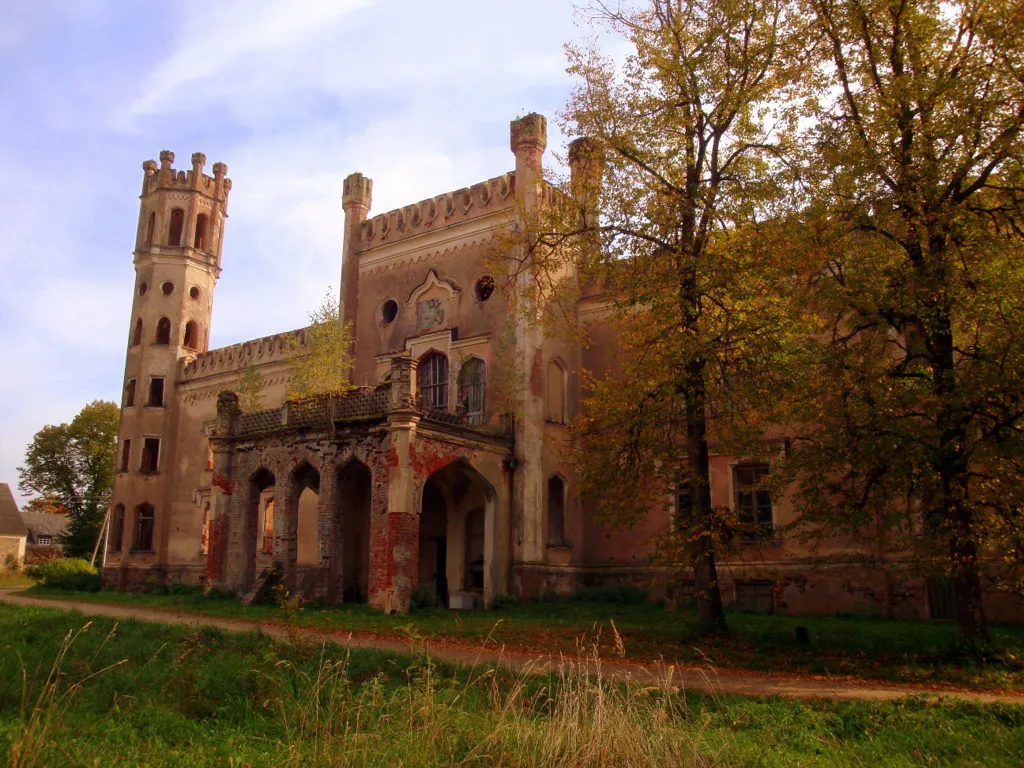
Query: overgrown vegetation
[[67, 573], [80, 693], [874, 648]]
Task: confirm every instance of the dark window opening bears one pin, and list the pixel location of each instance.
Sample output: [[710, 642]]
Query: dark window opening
[[194, 292], [433, 381], [117, 532], [144, 519], [753, 501], [389, 311], [556, 511], [192, 334], [137, 334], [484, 288], [199, 242], [167, 288], [129, 394], [143, 287], [684, 504], [177, 224], [126, 452], [156, 392], [150, 456], [149, 228], [473, 390], [163, 331]]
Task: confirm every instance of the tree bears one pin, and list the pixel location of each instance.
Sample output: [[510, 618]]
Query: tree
[[913, 387], [687, 134], [326, 365], [249, 390], [74, 464], [49, 504]]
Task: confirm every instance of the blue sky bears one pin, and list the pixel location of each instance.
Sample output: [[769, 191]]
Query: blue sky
[[293, 96]]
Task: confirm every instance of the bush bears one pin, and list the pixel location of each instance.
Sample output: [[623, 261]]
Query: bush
[[11, 563], [503, 601], [66, 573]]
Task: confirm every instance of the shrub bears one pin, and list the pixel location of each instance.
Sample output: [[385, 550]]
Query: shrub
[[501, 602], [66, 573], [422, 597], [11, 563]]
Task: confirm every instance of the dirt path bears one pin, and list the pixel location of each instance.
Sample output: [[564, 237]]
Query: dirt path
[[702, 679]]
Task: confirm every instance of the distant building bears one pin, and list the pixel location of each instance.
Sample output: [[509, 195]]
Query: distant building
[[44, 532], [13, 533]]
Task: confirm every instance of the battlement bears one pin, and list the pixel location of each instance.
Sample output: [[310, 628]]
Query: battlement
[[164, 176], [278, 347], [440, 211]]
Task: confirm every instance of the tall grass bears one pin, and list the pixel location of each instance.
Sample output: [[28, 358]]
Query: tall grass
[[574, 718]]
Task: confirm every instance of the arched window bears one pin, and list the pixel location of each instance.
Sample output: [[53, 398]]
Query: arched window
[[144, 519], [150, 226], [117, 529], [191, 335], [556, 511], [163, 331], [199, 243], [432, 377], [177, 224], [473, 390], [137, 333], [555, 400]]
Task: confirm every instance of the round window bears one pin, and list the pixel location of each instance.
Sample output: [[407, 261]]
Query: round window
[[167, 288], [389, 311], [142, 289], [484, 288], [194, 292]]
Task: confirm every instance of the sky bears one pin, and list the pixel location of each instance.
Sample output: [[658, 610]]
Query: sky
[[293, 96]]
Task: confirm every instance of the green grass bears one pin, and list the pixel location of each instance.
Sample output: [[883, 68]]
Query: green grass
[[873, 648], [152, 695]]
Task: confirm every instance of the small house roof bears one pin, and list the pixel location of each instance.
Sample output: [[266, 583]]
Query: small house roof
[[11, 523], [44, 524]]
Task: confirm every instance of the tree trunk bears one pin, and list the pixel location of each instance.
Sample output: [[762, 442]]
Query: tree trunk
[[710, 610]]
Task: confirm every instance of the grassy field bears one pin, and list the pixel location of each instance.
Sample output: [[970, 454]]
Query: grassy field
[[904, 651], [75, 692]]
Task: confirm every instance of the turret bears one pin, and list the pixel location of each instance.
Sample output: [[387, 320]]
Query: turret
[[356, 196], [177, 263]]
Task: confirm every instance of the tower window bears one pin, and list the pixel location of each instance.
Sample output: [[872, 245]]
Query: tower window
[[137, 333], [144, 519], [143, 288], [150, 456], [129, 394], [156, 392], [199, 242], [389, 311], [191, 334], [194, 293], [177, 224], [117, 532], [556, 511], [556, 393], [167, 288], [126, 452], [433, 381], [163, 331], [150, 227]]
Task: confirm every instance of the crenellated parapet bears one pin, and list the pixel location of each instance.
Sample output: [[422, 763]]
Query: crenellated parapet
[[165, 177], [481, 199], [277, 348]]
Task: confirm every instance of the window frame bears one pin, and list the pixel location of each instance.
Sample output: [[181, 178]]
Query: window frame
[[117, 530], [152, 383], [137, 537], [470, 391], [759, 503], [432, 381], [156, 459]]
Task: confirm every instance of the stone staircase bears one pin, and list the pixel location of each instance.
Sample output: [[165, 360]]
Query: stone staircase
[[305, 589], [266, 580]]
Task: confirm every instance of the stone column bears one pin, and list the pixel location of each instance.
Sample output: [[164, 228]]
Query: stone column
[[286, 524], [219, 568], [328, 531]]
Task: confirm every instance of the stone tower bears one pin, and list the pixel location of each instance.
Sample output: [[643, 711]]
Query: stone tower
[[177, 263]]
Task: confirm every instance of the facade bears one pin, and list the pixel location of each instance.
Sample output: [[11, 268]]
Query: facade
[[414, 484], [13, 533]]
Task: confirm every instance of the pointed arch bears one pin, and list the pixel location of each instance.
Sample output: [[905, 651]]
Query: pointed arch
[[555, 400], [163, 331], [556, 510], [192, 335], [176, 227]]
